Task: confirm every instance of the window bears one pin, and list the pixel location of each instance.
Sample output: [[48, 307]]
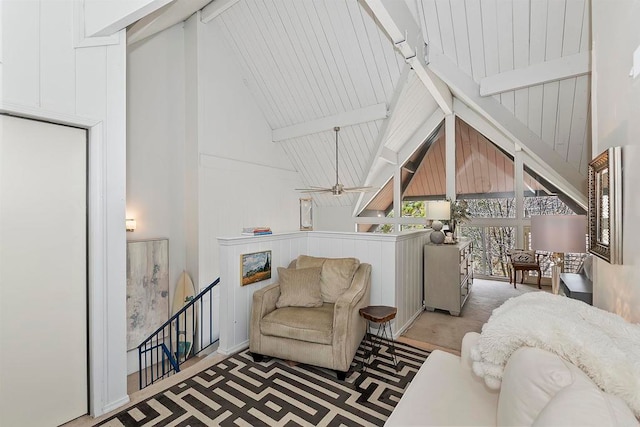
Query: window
[[542, 198], [490, 248]]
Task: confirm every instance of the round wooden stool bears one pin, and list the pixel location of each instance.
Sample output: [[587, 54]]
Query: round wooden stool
[[381, 315]]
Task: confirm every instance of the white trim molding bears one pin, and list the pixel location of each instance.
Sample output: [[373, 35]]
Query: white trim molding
[[99, 380]]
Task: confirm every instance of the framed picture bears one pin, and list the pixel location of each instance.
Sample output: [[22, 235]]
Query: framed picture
[[255, 267], [147, 288], [306, 214], [605, 206]]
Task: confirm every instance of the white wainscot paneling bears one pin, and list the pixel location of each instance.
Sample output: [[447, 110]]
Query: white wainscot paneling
[[409, 280], [396, 275]]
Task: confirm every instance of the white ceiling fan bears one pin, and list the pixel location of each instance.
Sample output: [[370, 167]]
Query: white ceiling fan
[[338, 189]]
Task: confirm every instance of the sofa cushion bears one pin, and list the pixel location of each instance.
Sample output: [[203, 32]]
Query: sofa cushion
[[302, 324], [531, 378], [299, 287], [336, 275], [583, 404], [444, 393]]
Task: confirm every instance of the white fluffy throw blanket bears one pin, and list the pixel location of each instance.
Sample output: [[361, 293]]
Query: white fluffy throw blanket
[[602, 344]]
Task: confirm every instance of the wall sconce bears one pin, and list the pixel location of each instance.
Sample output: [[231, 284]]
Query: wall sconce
[[130, 224]]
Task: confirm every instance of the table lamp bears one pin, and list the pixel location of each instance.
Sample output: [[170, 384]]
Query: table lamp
[[437, 211], [559, 234]]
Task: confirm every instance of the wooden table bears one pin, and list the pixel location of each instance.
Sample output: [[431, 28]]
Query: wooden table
[[381, 315]]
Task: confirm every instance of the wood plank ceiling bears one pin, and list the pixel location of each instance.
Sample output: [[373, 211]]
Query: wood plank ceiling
[[489, 37], [304, 60]]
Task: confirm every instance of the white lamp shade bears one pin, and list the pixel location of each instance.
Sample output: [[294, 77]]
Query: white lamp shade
[[440, 209], [559, 233]]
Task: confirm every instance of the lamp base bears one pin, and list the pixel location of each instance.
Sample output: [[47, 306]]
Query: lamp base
[[555, 279], [556, 269], [437, 237]]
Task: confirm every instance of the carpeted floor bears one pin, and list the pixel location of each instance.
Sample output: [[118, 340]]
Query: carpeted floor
[[438, 329], [238, 391]]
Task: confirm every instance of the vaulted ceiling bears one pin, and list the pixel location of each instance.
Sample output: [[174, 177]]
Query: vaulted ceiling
[[487, 40], [517, 71]]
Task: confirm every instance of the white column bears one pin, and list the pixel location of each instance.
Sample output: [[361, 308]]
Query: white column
[[450, 155], [397, 198], [518, 176]]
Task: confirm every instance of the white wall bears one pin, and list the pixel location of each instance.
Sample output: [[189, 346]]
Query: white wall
[[45, 76], [201, 162], [245, 179], [155, 147], [333, 218], [616, 107]]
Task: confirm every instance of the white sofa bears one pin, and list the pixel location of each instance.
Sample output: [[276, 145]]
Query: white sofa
[[538, 389]]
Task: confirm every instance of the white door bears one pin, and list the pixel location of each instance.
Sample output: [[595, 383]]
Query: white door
[[43, 273]]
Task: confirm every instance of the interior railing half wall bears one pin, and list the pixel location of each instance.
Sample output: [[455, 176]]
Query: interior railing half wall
[[180, 338]]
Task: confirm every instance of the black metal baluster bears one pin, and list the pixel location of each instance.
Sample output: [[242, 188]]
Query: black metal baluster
[[152, 370]]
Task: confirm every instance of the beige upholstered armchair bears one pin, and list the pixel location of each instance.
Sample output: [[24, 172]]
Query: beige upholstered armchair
[[311, 316]]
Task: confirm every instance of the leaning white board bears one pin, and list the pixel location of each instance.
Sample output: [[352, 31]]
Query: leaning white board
[[185, 292]]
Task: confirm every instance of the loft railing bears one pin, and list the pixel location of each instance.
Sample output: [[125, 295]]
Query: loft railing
[[177, 340]]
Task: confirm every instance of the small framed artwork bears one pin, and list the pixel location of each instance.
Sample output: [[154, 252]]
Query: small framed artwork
[[255, 267], [306, 214]]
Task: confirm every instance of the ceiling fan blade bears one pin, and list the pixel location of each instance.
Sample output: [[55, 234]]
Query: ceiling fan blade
[[358, 189], [314, 190]]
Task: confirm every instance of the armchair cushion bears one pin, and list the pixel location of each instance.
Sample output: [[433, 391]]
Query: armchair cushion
[[302, 324], [336, 276], [299, 287]]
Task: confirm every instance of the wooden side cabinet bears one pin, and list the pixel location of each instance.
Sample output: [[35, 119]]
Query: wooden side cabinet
[[448, 276]]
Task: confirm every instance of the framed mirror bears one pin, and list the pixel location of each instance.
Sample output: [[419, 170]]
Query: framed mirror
[[605, 205]]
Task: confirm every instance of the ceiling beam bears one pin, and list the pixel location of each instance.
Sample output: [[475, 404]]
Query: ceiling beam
[[105, 18], [215, 8], [380, 173], [536, 74], [396, 20], [163, 18], [479, 123], [348, 118], [389, 156], [504, 121], [400, 89]]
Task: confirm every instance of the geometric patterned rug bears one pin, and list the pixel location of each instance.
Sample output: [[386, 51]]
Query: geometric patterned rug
[[239, 392]]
